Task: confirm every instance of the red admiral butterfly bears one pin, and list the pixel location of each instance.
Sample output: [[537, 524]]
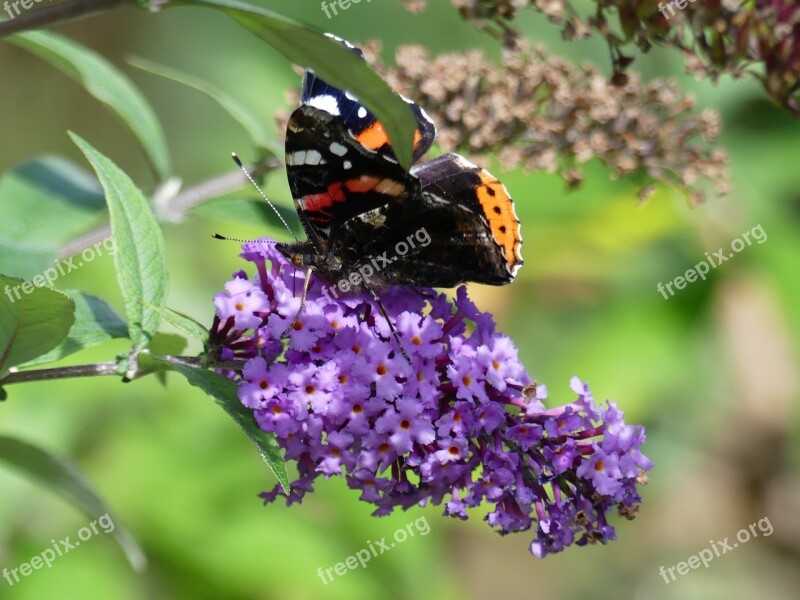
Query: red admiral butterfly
[[356, 202]]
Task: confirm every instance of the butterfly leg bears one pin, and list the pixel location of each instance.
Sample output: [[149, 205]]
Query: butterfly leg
[[391, 325]]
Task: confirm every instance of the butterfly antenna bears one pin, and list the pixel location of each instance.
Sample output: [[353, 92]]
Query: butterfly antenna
[[238, 161], [217, 236]]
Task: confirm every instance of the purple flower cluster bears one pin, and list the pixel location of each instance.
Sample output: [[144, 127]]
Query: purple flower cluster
[[453, 419]]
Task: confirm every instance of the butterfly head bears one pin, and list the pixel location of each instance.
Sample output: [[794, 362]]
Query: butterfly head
[[303, 256]]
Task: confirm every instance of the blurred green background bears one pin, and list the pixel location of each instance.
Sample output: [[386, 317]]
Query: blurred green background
[[712, 372]]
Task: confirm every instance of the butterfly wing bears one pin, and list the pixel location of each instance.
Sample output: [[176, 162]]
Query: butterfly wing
[[333, 178], [495, 229], [460, 227], [360, 121]]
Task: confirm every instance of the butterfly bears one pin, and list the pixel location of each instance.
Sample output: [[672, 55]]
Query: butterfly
[[370, 222]]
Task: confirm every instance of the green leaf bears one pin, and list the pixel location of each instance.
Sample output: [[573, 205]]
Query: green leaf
[[33, 320], [106, 83], [140, 259], [95, 323], [47, 201], [19, 261], [44, 203], [332, 62], [65, 479], [261, 135], [168, 343], [162, 344], [223, 390], [250, 212], [186, 324]]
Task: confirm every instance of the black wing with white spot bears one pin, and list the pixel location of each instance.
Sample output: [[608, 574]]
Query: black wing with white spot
[[360, 121], [333, 178]]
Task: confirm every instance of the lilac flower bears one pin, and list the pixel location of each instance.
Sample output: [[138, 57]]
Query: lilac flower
[[452, 418]]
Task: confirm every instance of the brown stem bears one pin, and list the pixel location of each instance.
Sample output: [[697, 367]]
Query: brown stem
[[50, 15], [85, 241], [218, 186], [103, 369], [95, 370]]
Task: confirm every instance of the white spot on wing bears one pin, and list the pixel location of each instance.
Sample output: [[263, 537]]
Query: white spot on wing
[[305, 157], [338, 39], [314, 158], [298, 158], [350, 96], [348, 164], [338, 149], [326, 103], [426, 115], [362, 112], [374, 217]]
